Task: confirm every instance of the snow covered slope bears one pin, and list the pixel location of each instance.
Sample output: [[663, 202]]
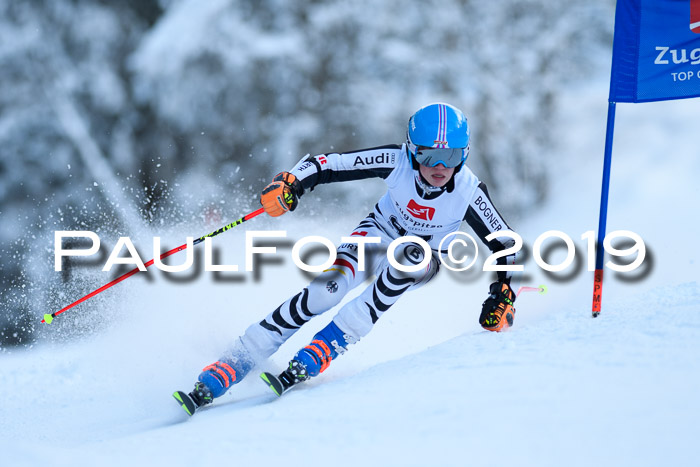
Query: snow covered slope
[[427, 386], [565, 390]]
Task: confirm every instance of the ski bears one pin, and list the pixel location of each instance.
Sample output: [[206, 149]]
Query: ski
[[279, 384], [293, 375], [273, 382], [185, 402]]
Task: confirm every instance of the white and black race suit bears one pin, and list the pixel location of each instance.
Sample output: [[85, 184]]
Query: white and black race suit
[[409, 207]]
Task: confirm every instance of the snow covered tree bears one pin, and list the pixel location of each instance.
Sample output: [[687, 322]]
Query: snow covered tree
[[118, 114]]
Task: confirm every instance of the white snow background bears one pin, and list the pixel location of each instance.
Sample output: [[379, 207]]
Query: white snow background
[[428, 386]]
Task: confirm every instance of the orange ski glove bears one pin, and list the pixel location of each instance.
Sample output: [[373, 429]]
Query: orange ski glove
[[497, 311], [281, 195]]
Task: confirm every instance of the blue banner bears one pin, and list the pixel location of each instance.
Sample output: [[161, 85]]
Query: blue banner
[[656, 50]]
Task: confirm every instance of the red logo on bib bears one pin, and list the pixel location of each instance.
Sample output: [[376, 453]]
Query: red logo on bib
[[420, 212]]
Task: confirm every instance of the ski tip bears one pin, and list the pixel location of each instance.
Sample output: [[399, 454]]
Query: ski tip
[[273, 383], [185, 402]]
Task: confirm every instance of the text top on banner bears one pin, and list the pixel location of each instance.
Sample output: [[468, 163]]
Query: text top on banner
[[656, 50]]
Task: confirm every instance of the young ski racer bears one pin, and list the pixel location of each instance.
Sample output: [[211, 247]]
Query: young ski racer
[[430, 192]]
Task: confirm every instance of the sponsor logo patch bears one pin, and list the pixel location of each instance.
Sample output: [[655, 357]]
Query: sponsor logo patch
[[420, 212], [413, 254], [383, 158]]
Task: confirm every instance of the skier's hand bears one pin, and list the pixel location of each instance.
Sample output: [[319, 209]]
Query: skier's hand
[[281, 195], [497, 311]]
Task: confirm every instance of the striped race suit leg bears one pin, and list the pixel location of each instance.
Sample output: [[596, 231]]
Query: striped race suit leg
[[356, 318], [262, 339], [327, 290]]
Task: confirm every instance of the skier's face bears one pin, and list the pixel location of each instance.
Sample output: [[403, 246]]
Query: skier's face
[[437, 176]]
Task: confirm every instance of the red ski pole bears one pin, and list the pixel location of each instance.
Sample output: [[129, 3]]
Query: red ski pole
[[49, 317]]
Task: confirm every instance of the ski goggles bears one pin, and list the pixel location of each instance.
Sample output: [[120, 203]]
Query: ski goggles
[[449, 157]]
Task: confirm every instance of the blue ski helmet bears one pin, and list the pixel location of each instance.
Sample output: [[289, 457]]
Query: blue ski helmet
[[438, 134]]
